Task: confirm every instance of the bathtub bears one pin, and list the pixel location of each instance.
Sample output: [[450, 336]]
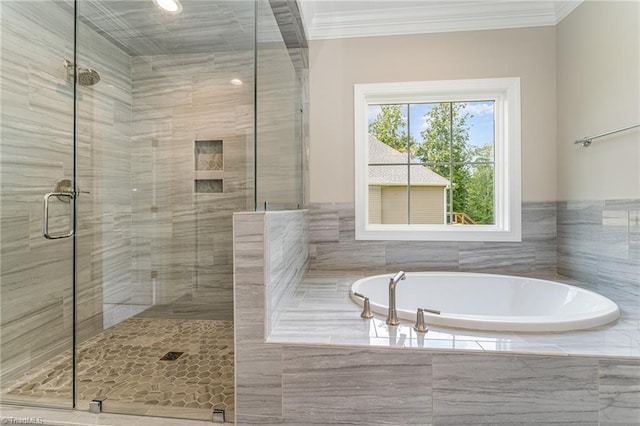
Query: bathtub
[[489, 302]]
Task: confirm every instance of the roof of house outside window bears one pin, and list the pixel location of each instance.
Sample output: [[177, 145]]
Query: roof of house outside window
[[381, 153]]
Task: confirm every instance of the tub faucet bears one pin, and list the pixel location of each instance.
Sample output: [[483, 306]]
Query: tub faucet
[[392, 316]]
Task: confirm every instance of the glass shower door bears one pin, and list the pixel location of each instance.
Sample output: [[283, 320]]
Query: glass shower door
[[164, 146], [36, 202]]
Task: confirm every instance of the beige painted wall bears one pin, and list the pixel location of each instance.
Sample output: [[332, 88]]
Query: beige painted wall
[[598, 60], [336, 65]]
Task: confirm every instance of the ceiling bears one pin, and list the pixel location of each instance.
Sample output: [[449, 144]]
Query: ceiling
[[204, 26], [325, 19]]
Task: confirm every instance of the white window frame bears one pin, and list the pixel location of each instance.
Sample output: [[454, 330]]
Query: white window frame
[[505, 92]]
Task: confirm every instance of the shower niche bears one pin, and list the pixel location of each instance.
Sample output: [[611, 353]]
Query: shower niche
[[209, 166]]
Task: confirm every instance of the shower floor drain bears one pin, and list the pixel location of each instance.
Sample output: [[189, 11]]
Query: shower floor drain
[[171, 356]]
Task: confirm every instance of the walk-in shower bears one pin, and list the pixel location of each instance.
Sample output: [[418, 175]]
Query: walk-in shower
[[130, 120]]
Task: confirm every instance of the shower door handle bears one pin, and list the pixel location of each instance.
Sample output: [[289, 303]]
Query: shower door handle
[[45, 216]]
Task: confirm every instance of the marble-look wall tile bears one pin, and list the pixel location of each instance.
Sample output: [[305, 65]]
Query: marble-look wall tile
[[258, 380], [333, 246], [634, 234], [597, 242], [271, 257], [361, 386], [626, 204], [103, 142], [183, 233], [539, 220], [287, 260], [615, 234], [539, 232], [579, 228], [323, 225], [634, 246], [257, 368], [417, 256], [36, 151], [578, 266], [634, 220], [247, 420], [497, 257], [514, 390], [619, 392], [354, 256]]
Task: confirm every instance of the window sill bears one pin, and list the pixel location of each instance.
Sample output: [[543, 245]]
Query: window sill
[[491, 233]]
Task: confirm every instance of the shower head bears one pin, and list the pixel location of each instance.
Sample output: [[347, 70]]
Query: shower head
[[85, 76]]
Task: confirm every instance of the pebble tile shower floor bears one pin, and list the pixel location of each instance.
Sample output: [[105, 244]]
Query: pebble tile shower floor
[[122, 367]]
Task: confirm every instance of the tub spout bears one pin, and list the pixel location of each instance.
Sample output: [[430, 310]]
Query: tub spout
[[392, 316]]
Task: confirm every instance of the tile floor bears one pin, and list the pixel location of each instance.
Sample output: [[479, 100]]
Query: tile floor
[[122, 367]]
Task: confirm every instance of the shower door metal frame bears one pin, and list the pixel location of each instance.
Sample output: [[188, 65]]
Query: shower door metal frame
[[74, 221]]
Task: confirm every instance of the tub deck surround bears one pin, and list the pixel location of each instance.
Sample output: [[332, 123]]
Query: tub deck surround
[[565, 390], [322, 313]]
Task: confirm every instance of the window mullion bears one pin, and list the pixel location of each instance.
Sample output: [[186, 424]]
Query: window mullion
[[408, 164], [450, 161]]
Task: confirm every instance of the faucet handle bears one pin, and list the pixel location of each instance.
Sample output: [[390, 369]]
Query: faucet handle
[[420, 326], [366, 311]]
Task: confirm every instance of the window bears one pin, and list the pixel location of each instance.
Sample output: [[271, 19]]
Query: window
[[438, 160]]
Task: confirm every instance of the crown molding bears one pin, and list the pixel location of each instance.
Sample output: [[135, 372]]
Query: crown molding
[[564, 8], [433, 17]]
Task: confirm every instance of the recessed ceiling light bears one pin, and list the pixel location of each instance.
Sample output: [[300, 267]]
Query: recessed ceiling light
[[236, 82], [172, 6]]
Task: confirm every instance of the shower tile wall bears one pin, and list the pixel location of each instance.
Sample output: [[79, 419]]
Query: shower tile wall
[[104, 179], [182, 240], [333, 246], [37, 141]]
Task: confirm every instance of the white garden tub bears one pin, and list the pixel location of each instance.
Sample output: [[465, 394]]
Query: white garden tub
[[489, 302]]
